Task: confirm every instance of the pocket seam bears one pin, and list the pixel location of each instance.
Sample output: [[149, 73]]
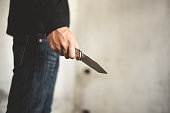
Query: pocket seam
[[22, 56]]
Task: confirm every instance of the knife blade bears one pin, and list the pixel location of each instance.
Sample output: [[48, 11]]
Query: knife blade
[[88, 61]]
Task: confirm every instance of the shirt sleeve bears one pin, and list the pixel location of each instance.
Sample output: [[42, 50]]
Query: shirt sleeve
[[51, 14]]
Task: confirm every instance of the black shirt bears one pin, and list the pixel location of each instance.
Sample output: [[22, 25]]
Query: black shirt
[[37, 16]]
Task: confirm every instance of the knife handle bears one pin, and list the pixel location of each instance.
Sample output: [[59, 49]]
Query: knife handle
[[79, 54]]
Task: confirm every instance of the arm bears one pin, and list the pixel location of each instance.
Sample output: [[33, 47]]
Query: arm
[[50, 13], [60, 37]]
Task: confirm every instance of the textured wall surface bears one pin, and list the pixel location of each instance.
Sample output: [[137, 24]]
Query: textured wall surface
[[131, 39]]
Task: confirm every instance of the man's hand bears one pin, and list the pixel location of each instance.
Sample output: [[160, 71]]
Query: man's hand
[[63, 41]]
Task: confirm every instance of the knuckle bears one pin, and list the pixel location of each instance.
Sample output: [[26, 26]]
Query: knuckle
[[71, 41], [64, 45]]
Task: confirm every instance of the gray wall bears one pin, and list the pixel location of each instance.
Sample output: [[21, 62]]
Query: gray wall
[[129, 38]]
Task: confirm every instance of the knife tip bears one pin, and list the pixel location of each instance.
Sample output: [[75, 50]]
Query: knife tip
[[104, 72]]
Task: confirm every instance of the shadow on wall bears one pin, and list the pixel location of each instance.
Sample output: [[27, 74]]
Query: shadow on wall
[[3, 101]]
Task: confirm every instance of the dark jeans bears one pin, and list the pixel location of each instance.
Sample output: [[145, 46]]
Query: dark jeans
[[35, 72]]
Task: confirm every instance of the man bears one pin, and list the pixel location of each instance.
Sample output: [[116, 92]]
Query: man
[[41, 34]]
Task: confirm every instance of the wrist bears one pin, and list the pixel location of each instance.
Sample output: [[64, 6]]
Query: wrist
[[62, 29]]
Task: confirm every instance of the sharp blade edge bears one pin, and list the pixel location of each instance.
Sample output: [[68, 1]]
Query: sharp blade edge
[[87, 60]]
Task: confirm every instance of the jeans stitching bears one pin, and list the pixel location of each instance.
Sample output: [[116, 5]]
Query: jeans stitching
[[22, 56]]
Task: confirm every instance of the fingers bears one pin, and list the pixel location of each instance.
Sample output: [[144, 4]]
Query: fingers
[[67, 55], [72, 51], [63, 42], [64, 47]]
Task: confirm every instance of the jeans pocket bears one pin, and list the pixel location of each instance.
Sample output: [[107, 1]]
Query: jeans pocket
[[19, 48], [44, 47]]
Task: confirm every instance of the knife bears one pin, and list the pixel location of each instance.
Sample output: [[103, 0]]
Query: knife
[[87, 60]]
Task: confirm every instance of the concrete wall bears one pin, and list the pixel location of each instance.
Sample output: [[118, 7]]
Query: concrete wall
[[131, 39]]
